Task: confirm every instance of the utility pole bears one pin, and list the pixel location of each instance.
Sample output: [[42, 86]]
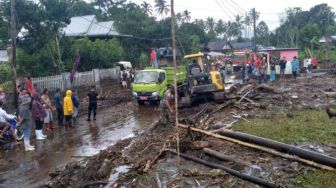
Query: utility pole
[[254, 30], [175, 79], [13, 33], [327, 38]]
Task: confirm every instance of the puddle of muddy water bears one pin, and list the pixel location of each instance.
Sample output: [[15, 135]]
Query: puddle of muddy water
[[86, 139], [117, 171]]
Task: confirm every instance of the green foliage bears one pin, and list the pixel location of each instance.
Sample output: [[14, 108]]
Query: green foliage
[[5, 72], [298, 28], [81, 8], [316, 179], [309, 35], [190, 37], [307, 125], [143, 60], [96, 54], [263, 34]]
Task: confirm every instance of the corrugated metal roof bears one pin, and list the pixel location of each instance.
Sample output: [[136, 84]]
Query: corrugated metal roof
[[79, 26], [3, 56], [102, 29], [82, 26]]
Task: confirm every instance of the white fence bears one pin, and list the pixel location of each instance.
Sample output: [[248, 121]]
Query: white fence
[[89, 78]]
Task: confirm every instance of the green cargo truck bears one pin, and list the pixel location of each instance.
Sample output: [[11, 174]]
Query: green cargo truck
[[150, 84]]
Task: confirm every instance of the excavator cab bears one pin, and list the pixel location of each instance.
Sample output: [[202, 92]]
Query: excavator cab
[[202, 80]]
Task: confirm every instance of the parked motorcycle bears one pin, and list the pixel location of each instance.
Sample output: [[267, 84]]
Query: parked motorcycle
[[17, 129]]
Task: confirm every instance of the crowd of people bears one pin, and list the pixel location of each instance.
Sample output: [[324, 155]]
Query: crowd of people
[[36, 107], [258, 66], [127, 77]]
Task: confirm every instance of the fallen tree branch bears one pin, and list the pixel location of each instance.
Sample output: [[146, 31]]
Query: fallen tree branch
[[268, 88], [261, 148], [246, 177], [224, 157], [152, 162], [243, 97]]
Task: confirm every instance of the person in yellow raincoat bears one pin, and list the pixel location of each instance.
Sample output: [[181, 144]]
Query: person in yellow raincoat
[[68, 108]]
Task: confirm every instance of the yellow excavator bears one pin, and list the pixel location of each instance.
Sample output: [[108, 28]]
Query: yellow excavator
[[203, 82]]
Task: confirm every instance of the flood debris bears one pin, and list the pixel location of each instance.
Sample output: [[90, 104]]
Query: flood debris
[[209, 158]]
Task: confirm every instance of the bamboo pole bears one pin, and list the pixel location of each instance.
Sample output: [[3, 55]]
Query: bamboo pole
[[175, 79], [261, 148], [13, 33]]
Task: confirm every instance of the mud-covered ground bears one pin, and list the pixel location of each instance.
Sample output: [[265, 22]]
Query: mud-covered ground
[[140, 161]]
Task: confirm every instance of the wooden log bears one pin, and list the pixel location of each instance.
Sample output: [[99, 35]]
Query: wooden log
[[261, 148], [243, 89], [238, 174], [224, 157], [150, 163], [200, 144], [303, 153], [268, 88], [243, 97]]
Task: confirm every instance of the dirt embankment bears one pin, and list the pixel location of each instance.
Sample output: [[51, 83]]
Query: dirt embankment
[[150, 167]]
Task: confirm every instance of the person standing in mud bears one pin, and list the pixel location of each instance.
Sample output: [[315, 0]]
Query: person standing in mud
[[59, 106], [92, 96], [48, 120], [295, 67], [38, 114], [25, 118], [167, 106], [75, 101], [68, 108], [272, 68], [282, 64]]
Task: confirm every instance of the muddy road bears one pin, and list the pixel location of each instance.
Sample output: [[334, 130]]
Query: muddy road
[[30, 169]]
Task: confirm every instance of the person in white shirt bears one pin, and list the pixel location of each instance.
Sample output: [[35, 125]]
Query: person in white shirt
[[3, 123], [309, 65]]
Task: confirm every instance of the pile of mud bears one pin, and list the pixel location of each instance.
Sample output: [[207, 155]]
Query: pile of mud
[[150, 167]]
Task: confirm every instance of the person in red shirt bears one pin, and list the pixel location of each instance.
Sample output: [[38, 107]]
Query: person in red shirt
[[29, 85]]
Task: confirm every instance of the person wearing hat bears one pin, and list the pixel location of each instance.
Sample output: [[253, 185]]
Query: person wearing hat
[[167, 105], [295, 67]]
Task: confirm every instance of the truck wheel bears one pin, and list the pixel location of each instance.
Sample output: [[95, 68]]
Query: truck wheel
[[219, 96], [141, 102]]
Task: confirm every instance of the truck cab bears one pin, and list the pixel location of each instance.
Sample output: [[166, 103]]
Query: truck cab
[[149, 85]]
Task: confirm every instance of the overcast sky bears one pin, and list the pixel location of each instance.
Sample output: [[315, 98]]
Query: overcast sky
[[270, 10]]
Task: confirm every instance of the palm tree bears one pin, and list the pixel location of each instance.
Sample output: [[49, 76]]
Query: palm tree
[[200, 23], [161, 7], [147, 8], [186, 16], [210, 24], [179, 18], [247, 23], [220, 27], [239, 25]]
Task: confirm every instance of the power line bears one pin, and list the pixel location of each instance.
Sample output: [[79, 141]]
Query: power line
[[239, 7], [228, 15], [234, 7], [223, 4]]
